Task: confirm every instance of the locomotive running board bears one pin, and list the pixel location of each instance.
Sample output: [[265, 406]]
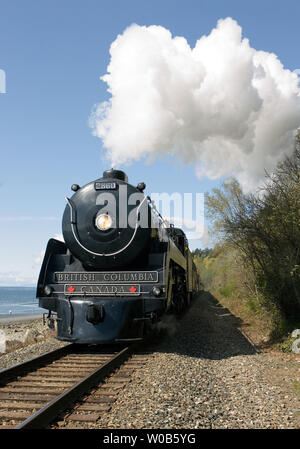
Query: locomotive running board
[[128, 340]]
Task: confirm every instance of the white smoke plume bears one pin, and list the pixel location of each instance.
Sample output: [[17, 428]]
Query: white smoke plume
[[222, 105]]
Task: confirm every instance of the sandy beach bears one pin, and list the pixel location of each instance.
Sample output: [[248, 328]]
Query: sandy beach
[[10, 319]]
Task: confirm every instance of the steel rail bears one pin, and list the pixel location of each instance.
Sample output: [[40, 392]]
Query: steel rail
[[49, 412]]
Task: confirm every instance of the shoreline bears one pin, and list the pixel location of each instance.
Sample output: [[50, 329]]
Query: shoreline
[[20, 318]]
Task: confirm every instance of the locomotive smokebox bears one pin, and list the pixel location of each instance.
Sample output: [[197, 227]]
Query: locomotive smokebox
[[107, 222]]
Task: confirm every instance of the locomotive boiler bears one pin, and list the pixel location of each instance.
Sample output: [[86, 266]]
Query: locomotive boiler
[[120, 267]]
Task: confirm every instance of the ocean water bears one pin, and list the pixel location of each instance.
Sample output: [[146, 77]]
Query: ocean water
[[18, 301]]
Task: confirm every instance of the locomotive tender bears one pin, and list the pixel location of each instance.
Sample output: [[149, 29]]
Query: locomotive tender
[[120, 269]]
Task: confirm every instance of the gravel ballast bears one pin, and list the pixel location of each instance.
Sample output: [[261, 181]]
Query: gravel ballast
[[208, 375], [203, 374]]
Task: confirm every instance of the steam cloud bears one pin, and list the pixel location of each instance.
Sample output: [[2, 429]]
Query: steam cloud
[[222, 106]]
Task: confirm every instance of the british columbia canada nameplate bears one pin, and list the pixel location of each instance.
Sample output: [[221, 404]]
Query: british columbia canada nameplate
[[107, 277], [102, 289]]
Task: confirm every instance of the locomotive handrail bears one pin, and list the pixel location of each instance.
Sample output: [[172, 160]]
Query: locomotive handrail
[[102, 254], [164, 222]]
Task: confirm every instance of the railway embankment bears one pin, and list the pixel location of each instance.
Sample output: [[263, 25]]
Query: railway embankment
[[208, 375], [204, 373]]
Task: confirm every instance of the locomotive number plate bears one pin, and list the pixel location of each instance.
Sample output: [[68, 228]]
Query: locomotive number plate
[[102, 289], [105, 186]]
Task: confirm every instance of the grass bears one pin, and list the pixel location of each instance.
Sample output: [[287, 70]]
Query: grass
[[224, 275], [228, 290], [297, 387]]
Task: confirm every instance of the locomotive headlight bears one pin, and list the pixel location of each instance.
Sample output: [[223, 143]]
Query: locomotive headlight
[[103, 222], [156, 291], [48, 290]]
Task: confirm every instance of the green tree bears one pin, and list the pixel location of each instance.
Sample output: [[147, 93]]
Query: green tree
[[265, 228]]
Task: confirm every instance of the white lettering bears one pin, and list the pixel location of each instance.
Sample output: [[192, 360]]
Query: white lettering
[[2, 82]]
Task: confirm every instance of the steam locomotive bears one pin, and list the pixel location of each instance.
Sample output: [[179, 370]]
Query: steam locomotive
[[121, 266]]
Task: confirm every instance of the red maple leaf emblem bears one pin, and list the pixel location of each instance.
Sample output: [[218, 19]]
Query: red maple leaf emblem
[[71, 289], [132, 289]]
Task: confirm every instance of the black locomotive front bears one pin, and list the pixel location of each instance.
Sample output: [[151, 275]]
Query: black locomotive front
[[102, 223], [107, 280]]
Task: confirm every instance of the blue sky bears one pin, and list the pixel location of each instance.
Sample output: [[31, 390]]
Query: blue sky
[[53, 53]]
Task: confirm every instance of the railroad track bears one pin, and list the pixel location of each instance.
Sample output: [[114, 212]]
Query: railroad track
[[69, 387]]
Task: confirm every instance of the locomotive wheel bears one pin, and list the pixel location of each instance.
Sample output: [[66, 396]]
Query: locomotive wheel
[[178, 303]]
